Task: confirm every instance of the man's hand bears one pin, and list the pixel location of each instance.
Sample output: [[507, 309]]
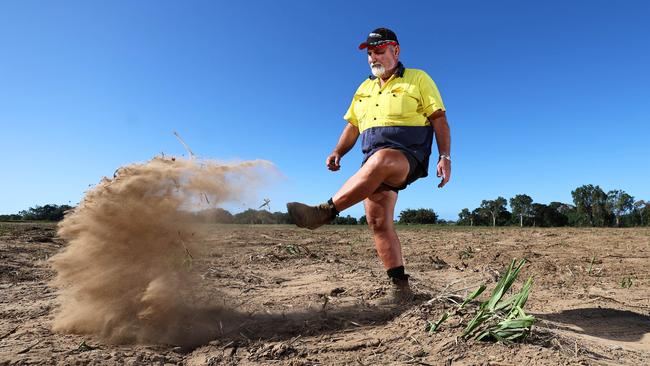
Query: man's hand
[[333, 161], [443, 170], [346, 141]]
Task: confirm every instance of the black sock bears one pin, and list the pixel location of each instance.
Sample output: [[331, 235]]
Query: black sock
[[397, 273], [335, 212]]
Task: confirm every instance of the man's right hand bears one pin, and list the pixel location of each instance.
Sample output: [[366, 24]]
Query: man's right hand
[[333, 161]]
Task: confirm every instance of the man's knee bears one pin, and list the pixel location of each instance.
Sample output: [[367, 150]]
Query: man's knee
[[377, 223]]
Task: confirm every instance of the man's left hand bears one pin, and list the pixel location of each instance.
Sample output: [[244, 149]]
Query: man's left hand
[[443, 170]]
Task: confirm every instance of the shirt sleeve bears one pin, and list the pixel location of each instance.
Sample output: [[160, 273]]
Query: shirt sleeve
[[429, 95], [350, 116]]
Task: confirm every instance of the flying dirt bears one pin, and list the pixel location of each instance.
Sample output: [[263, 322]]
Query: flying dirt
[[126, 274]]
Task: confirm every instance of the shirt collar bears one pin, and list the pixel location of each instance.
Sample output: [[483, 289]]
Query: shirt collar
[[399, 71]]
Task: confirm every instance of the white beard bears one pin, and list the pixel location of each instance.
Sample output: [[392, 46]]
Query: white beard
[[378, 70]]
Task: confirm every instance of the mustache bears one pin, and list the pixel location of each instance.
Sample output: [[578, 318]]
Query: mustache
[[376, 64]]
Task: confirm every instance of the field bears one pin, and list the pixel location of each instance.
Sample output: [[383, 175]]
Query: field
[[305, 298]]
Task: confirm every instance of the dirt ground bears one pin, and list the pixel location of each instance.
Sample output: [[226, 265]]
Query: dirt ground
[[303, 297]]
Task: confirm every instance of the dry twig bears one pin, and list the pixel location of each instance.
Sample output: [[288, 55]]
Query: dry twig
[[10, 332], [25, 350]]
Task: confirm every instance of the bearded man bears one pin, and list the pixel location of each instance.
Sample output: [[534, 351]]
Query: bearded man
[[397, 112]]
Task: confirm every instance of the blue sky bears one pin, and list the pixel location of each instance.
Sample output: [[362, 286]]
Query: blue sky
[[541, 97]]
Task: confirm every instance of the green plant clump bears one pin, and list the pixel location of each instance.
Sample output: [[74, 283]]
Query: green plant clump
[[497, 319], [503, 320]]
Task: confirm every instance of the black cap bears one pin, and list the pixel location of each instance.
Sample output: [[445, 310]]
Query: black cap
[[379, 37]]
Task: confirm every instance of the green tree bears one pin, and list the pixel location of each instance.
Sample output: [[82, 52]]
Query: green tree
[[11, 217], [251, 216], [465, 217], [639, 206], [281, 218], [619, 203], [538, 210], [522, 206], [481, 217], [495, 208], [347, 220], [591, 205], [646, 215], [557, 214], [419, 216], [363, 220], [548, 215], [46, 213]]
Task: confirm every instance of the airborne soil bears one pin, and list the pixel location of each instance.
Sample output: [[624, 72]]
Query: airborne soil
[[299, 297]]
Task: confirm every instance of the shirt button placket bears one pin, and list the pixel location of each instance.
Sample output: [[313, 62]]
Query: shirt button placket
[[377, 105]]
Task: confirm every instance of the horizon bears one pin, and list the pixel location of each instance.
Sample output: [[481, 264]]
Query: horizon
[[235, 211]]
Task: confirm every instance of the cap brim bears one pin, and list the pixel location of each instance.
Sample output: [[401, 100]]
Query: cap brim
[[381, 45]]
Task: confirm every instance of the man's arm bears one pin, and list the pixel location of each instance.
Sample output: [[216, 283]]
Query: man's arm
[[346, 142], [438, 120]]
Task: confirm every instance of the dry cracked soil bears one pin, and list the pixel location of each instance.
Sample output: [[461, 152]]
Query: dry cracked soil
[[303, 297]]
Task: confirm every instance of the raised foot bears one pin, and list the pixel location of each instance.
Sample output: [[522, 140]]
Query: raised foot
[[310, 217]]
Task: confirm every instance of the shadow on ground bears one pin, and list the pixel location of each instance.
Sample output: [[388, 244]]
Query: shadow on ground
[[227, 324], [612, 324]]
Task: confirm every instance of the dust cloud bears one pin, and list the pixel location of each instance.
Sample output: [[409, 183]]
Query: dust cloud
[[128, 273]]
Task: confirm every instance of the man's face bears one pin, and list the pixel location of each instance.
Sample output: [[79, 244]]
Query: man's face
[[382, 59]]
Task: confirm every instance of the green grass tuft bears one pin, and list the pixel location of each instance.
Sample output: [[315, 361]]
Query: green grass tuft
[[497, 319]]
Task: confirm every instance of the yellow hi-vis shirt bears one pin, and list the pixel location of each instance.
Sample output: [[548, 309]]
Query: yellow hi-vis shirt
[[395, 115]]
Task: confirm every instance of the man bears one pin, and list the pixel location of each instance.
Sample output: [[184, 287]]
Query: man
[[397, 111]]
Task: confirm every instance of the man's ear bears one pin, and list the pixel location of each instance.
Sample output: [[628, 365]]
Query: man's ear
[[397, 50]]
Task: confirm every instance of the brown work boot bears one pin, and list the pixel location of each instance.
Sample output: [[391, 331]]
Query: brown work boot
[[399, 294], [310, 217]]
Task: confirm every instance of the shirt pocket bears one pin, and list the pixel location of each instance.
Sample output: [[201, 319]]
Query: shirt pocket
[[400, 103], [361, 105]]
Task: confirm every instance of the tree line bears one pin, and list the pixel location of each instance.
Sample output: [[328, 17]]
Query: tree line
[[48, 212], [52, 212], [250, 216], [591, 207]]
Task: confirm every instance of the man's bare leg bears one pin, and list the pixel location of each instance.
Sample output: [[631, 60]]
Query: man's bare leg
[[380, 210], [386, 166]]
